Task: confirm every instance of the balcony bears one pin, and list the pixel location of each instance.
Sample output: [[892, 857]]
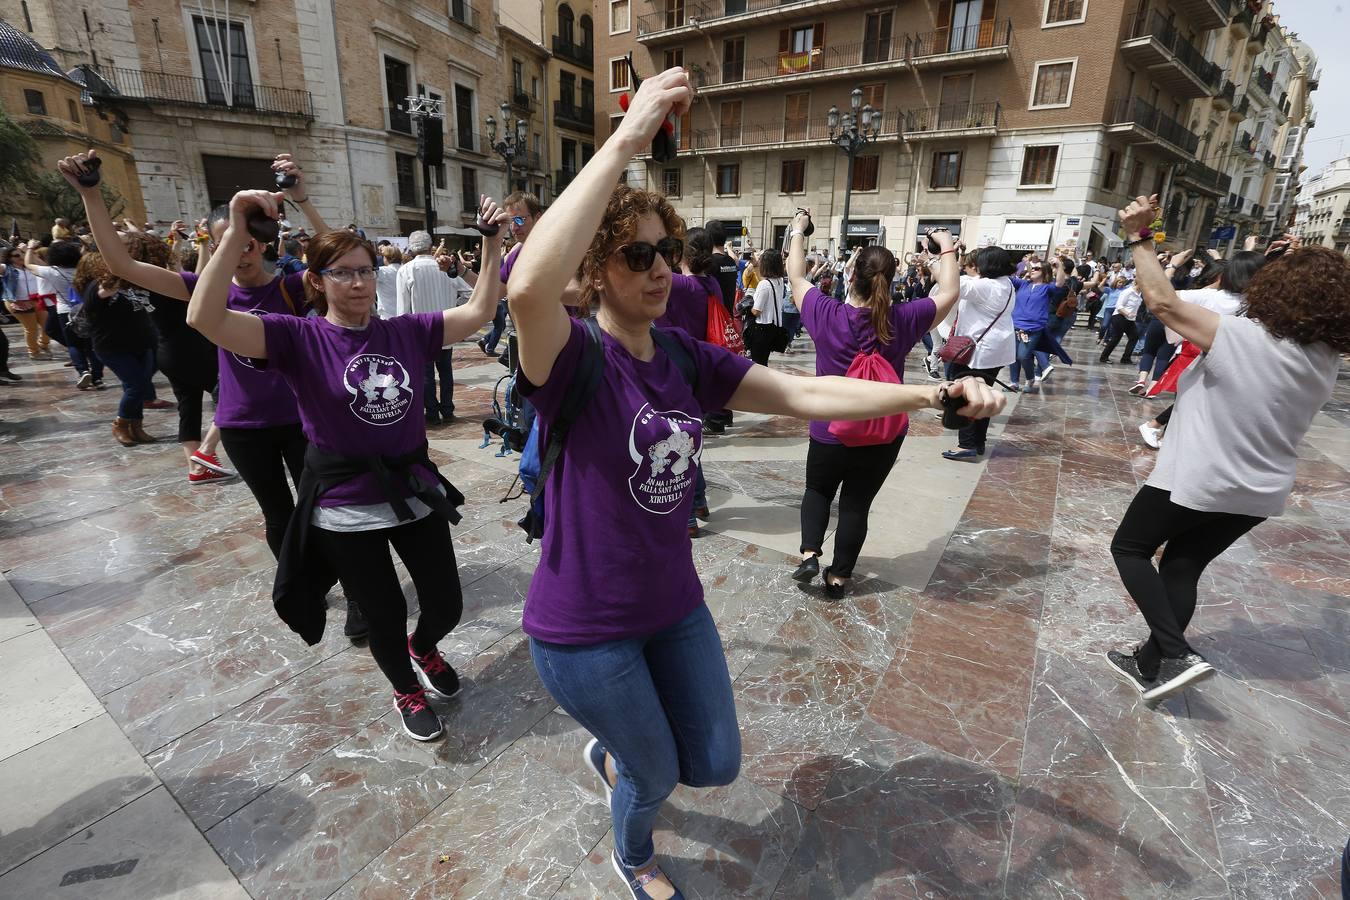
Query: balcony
[[1260, 85], [561, 179], [1241, 108], [1315, 80], [1204, 179], [776, 134], [576, 118], [1152, 43], [115, 83], [820, 64], [959, 120], [679, 19], [1269, 159], [1245, 142], [1203, 14], [527, 160], [1244, 21], [521, 100], [582, 55], [990, 40], [1139, 122], [1226, 95]]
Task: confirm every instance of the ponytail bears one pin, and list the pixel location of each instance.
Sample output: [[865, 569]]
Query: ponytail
[[872, 277]]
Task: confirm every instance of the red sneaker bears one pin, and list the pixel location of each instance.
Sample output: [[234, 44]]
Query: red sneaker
[[212, 462], [197, 479]]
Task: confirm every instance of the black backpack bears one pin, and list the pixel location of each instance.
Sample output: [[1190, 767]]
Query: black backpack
[[585, 382]]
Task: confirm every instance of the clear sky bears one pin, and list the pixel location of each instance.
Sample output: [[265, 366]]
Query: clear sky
[[1325, 26]]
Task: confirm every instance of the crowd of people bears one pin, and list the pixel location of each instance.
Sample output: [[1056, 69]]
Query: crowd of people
[[632, 336]]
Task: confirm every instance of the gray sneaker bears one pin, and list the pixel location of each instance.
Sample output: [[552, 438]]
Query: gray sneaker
[[1177, 673], [1127, 665]]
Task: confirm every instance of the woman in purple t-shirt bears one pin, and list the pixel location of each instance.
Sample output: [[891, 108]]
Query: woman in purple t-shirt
[[866, 320], [618, 628], [368, 483]]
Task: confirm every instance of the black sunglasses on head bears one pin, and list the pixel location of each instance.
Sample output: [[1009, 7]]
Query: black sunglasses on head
[[641, 255]]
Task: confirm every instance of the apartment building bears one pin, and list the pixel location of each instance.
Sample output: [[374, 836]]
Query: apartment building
[[1022, 122], [525, 54], [1324, 207], [214, 91], [572, 81]]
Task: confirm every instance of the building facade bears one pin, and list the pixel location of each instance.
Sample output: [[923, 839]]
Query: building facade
[[1022, 122], [571, 80], [1324, 207]]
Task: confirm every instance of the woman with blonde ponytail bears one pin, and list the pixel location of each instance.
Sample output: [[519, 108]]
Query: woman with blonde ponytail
[[866, 321]]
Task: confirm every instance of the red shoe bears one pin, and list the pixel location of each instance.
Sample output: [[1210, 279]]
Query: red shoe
[[212, 462], [157, 404], [197, 479]]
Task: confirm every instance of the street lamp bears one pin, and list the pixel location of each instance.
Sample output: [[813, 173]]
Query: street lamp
[[512, 143], [851, 132]]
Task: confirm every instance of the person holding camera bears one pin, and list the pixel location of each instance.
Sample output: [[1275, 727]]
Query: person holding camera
[[765, 333]]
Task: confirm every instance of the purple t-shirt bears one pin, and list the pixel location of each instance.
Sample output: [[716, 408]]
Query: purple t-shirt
[[616, 561], [687, 306], [839, 331], [251, 394], [360, 391], [510, 262]]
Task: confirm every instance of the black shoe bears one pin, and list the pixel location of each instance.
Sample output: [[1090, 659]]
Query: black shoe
[[419, 719], [433, 419], [834, 591], [1127, 665], [449, 418], [703, 513], [482, 345], [9, 376], [356, 627], [434, 672], [712, 426], [1177, 673], [807, 570]]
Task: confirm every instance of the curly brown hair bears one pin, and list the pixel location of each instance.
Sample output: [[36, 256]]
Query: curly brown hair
[[626, 208], [147, 248], [323, 250], [93, 270], [1304, 296]]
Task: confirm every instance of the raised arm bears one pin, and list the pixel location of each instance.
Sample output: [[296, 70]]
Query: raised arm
[[796, 261], [462, 321], [110, 246], [298, 193], [560, 239], [207, 311], [765, 390], [1193, 322], [949, 275]]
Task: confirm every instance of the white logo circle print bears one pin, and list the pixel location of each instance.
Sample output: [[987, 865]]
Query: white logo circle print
[[666, 446], [244, 360], [381, 388]]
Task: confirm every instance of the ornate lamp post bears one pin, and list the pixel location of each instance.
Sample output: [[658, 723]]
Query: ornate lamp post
[[512, 143], [851, 132]]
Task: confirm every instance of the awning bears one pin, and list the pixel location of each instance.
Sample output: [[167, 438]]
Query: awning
[[1112, 239], [462, 232], [1026, 236]]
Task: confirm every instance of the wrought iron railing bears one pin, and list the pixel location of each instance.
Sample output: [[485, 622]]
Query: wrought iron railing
[[820, 59], [1227, 93], [1199, 173], [578, 118], [1155, 26], [953, 117], [983, 36], [1265, 80], [186, 90], [778, 132], [562, 178], [1139, 112], [578, 54]]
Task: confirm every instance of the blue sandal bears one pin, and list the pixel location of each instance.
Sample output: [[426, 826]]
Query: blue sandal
[[962, 454], [636, 883]]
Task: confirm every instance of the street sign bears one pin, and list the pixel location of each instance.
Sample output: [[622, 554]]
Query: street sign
[[1073, 221], [1226, 233]]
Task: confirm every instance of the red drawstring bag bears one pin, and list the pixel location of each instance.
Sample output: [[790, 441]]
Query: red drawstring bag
[[870, 365], [1187, 354], [723, 330]]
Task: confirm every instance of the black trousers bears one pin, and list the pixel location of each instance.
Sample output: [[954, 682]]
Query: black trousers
[[856, 474], [971, 436], [366, 570], [192, 371], [262, 456], [1166, 595], [1121, 327]]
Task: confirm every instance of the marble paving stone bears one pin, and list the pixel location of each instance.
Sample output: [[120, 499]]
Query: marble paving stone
[[39, 692], [146, 849], [15, 616], [64, 784]]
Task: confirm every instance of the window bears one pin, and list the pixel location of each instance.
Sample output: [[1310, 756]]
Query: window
[[567, 89], [670, 182], [1065, 12], [792, 176], [518, 76], [733, 60], [439, 172], [684, 131], [874, 95], [1160, 181], [731, 123], [569, 156], [460, 10], [1112, 173], [115, 133], [800, 48], [565, 23], [865, 171], [534, 87], [72, 110], [1137, 178], [877, 37], [728, 179], [587, 151], [618, 75], [966, 18], [618, 16], [396, 92], [674, 13], [587, 94], [468, 188], [1038, 164], [946, 169], [675, 58], [214, 43], [1053, 84], [614, 122], [587, 33], [464, 117], [404, 172], [37, 104], [795, 113]]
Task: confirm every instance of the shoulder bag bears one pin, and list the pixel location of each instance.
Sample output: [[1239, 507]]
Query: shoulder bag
[[960, 348]]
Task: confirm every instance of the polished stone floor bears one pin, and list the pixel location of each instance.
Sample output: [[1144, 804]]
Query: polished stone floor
[[950, 730]]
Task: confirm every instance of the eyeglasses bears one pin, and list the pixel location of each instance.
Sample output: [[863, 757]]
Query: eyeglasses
[[641, 255], [518, 221], [347, 276]]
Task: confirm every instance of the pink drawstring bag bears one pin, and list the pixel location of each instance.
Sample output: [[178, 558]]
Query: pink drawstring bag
[[870, 365]]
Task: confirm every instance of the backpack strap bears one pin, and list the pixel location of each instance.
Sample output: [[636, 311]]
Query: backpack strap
[[672, 347], [285, 295], [585, 382]]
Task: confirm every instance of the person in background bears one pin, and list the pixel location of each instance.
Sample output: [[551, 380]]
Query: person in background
[[291, 262], [728, 274], [424, 288], [123, 336], [386, 282], [525, 210], [766, 334], [984, 314], [20, 291], [56, 279], [61, 231], [1123, 324], [1037, 297]]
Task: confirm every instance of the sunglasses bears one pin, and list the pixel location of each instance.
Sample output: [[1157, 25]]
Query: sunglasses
[[518, 221], [641, 255]]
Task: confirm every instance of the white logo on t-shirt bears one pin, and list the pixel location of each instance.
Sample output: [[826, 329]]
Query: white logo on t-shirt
[[666, 468], [381, 388]]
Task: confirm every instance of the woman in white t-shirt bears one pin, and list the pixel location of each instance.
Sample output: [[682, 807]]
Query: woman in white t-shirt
[[56, 280], [1222, 473], [984, 314], [767, 333]]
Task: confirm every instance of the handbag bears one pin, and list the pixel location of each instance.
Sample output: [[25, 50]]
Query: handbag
[[23, 306], [723, 330], [960, 348]]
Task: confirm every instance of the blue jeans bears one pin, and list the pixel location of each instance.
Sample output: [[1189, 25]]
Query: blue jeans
[[700, 496], [1029, 361], [498, 326], [792, 321], [80, 351], [927, 341], [134, 370], [1059, 326], [440, 363], [1108, 312], [661, 705]]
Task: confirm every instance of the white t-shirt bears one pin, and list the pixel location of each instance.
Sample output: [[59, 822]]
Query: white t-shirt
[[769, 295], [52, 280], [422, 287], [981, 301], [1242, 409], [386, 290], [26, 284], [1222, 302], [1127, 304]]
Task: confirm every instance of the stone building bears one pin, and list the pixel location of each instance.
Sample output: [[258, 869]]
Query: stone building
[[1324, 207]]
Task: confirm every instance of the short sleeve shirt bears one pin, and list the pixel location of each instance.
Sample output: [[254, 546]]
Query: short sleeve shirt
[[687, 306]]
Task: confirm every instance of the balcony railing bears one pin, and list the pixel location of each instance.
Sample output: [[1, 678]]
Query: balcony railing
[[820, 59], [1140, 113], [1265, 80], [1243, 106], [1155, 26], [1227, 94], [777, 132], [185, 90], [989, 35], [578, 54], [953, 117], [577, 118], [461, 11], [678, 15], [1201, 174], [1245, 19], [1269, 159], [1246, 142]]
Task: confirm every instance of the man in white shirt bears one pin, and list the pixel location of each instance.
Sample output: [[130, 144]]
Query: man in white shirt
[[1123, 324], [424, 288]]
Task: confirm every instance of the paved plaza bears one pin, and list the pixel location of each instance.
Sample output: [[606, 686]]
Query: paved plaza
[[949, 730]]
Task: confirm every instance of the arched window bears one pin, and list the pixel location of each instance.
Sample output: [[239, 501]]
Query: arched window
[[565, 19], [587, 31]]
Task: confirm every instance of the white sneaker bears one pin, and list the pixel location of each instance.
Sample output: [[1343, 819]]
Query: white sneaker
[[1138, 388], [1152, 436], [1045, 373]]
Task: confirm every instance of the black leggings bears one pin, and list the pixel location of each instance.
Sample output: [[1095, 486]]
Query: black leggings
[[1165, 416], [1121, 327], [367, 573], [856, 473], [1166, 595], [262, 456], [972, 436], [190, 375]]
